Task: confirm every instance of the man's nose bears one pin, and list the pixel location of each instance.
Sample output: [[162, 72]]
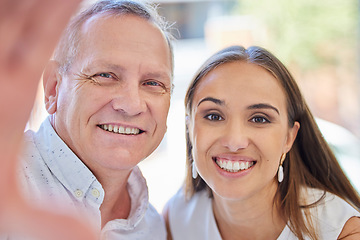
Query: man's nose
[[235, 136], [129, 100]]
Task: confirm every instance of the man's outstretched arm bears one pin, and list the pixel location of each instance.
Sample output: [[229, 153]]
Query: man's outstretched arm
[[29, 31]]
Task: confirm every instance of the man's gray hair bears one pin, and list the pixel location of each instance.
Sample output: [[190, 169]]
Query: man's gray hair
[[67, 49]]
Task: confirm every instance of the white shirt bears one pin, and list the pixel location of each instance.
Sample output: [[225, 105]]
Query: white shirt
[[194, 219], [53, 177]]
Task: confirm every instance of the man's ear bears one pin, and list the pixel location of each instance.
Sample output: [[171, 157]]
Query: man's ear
[[51, 82]]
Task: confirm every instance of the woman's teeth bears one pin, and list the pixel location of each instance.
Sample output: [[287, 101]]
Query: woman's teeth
[[234, 166], [120, 129]]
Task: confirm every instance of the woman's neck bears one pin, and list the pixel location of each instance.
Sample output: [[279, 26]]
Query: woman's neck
[[256, 217]]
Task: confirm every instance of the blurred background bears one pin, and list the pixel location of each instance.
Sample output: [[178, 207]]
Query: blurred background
[[317, 40]]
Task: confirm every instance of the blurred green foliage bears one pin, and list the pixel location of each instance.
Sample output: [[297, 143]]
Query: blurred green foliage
[[308, 33]]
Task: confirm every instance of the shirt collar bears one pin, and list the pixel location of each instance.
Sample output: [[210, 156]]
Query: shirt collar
[[138, 191], [75, 175], [62, 162], [139, 195]]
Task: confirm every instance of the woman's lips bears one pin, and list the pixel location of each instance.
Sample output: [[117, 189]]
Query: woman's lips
[[233, 165]]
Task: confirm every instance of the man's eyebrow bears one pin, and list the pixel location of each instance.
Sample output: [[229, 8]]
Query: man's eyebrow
[[102, 64], [211, 99], [158, 75], [99, 64], [263, 106]]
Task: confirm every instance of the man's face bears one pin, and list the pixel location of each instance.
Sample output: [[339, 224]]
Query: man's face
[[113, 104]]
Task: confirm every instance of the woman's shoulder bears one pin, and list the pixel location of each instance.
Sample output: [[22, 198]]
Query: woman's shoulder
[[329, 211], [322, 200], [180, 205], [191, 218]]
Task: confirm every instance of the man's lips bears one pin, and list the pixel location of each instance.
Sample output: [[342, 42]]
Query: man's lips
[[120, 129]]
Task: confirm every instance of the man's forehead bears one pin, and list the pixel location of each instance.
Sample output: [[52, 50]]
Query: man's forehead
[[106, 26], [100, 34], [107, 44], [94, 20], [102, 18]]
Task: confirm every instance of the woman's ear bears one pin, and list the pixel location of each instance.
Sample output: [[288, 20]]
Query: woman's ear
[[188, 126], [187, 120], [51, 82], [292, 136]]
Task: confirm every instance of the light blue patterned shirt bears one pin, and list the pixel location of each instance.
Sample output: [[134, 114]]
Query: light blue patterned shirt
[[53, 177]]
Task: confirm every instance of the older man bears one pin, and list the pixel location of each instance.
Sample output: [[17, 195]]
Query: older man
[[108, 94]]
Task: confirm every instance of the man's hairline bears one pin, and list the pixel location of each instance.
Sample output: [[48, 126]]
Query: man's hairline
[[111, 14]]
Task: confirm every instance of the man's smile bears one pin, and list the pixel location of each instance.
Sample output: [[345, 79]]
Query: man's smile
[[120, 129]]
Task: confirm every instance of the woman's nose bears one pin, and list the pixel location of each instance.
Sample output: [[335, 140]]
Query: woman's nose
[[235, 136]]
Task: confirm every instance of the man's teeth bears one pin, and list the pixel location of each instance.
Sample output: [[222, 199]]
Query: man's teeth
[[235, 166], [120, 129]]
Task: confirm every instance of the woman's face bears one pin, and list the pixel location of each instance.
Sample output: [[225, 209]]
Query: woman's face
[[239, 130]]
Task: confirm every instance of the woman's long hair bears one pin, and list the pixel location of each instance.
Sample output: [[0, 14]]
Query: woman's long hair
[[310, 162]]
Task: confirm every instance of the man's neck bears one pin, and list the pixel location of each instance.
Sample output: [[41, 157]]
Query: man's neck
[[117, 202]]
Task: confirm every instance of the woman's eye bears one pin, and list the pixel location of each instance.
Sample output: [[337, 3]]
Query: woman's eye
[[259, 120], [214, 117]]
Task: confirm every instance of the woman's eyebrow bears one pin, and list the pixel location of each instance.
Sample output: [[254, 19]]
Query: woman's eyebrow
[[263, 106], [211, 99]]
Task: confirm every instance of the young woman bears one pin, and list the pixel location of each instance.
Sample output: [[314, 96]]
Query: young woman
[[258, 166]]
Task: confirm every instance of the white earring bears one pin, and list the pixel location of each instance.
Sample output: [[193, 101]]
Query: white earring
[[281, 169], [280, 174], [194, 170]]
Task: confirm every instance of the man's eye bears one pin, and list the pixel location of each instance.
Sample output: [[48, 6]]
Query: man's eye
[[259, 119], [152, 83], [155, 86], [214, 117], [104, 75]]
